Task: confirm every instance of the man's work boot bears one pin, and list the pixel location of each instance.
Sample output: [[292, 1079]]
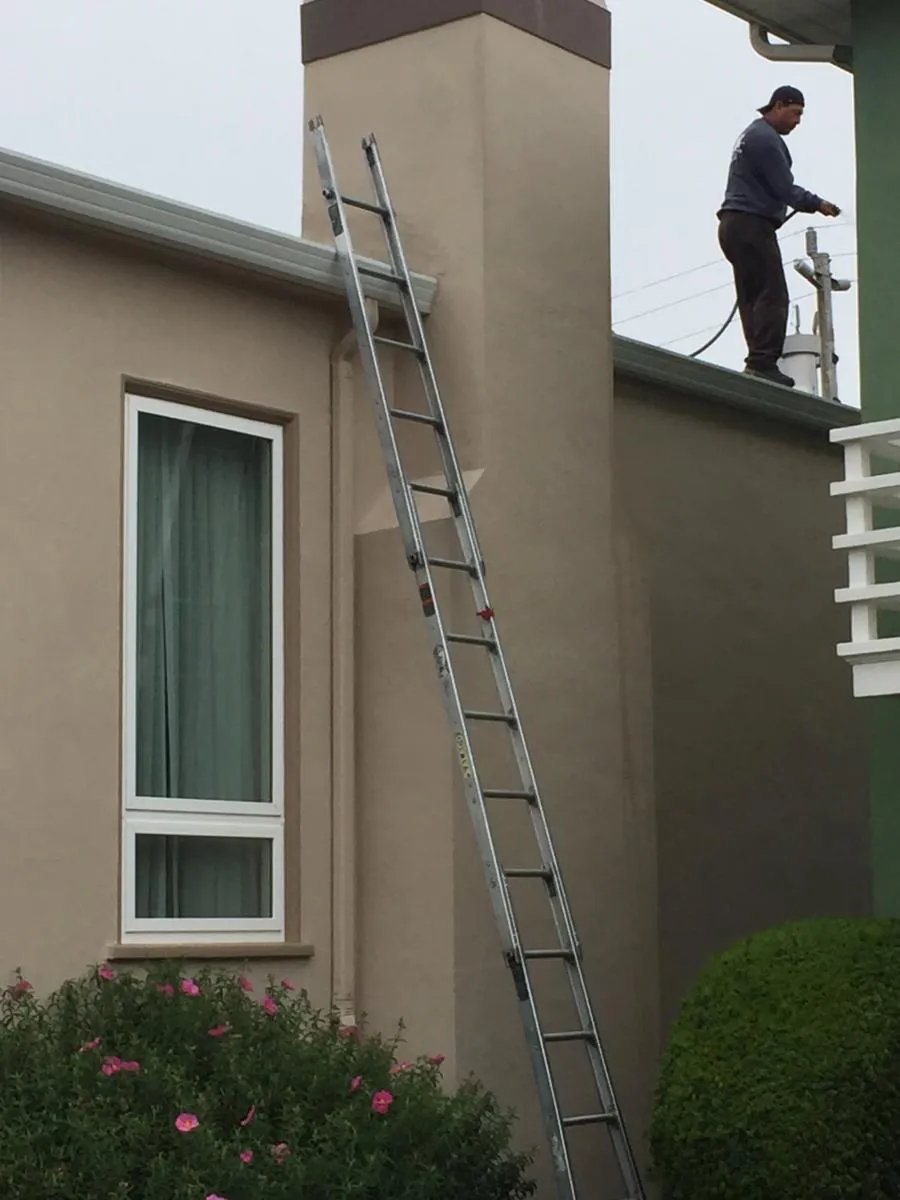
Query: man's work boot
[[771, 374]]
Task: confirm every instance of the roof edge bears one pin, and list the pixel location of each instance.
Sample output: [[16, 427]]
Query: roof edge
[[86, 200], [99, 204], [689, 376], [734, 9]]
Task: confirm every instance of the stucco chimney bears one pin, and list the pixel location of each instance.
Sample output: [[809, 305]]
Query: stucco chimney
[[492, 118]]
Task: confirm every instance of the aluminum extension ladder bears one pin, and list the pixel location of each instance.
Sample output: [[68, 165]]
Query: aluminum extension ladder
[[479, 797]]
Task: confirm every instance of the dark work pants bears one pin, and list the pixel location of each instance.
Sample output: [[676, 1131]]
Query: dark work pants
[[750, 245]]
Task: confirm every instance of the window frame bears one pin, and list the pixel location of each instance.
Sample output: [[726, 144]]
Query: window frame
[[211, 818]]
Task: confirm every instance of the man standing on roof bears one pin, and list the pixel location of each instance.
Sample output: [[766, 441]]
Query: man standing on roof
[[760, 189]]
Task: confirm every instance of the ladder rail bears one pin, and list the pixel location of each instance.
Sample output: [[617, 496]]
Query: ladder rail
[[498, 886], [472, 563], [559, 903], [407, 514], [416, 326]]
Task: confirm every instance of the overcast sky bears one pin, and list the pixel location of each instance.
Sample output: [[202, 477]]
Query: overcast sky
[[201, 100]]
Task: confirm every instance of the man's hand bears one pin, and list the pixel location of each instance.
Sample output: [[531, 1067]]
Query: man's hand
[[827, 209]]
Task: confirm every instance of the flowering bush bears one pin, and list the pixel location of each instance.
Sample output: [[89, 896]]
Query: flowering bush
[[172, 1088]]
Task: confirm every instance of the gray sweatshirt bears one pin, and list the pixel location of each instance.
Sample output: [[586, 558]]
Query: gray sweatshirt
[[760, 179]]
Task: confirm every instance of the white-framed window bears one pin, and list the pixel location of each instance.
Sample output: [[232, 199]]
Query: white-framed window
[[203, 706]]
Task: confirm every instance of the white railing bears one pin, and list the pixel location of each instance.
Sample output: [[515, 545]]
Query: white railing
[[871, 481]]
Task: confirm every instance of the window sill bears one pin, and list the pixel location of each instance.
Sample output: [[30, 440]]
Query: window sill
[[210, 950]]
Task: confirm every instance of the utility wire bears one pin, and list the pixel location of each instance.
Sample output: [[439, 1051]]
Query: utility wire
[[648, 312], [785, 262], [730, 318], [720, 261], [685, 337]]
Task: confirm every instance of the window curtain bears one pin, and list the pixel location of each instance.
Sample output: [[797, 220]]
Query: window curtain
[[203, 877], [204, 652]]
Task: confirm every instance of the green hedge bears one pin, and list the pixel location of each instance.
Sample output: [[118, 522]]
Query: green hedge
[[175, 1087], [781, 1080]]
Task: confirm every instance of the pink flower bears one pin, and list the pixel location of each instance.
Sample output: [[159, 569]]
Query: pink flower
[[245, 983], [186, 1122], [250, 1117], [107, 973], [215, 1196], [113, 1065], [398, 1068], [89, 1046], [436, 1059], [381, 1102], [246, 1156], [20, 989], [270, 1006], [189, 987], [166, 989], [348, 1031], [281, 1152], [287, 985], [219, 1030], [356, 1083]]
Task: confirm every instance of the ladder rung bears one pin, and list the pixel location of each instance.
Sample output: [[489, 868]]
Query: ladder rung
[[558, 953], [507, 794], [383, 341], [366, 206], [527, 873], [452, 564], [474, 714], [403, 414], [428, 490], [383, 274], [472, 639], [603, 1118], [570, 1035]]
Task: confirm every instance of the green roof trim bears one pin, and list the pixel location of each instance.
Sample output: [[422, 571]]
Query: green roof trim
[[642, 363]]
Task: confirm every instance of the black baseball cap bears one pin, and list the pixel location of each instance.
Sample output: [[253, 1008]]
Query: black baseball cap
[[784, 95]]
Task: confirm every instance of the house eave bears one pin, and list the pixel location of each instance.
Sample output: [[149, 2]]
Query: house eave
[[677, 373], [28, 183], [31, 184], [770, 14]]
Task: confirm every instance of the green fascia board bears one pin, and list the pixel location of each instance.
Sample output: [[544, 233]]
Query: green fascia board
[[642, 363]]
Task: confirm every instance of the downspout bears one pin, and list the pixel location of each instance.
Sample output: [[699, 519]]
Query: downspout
[[839, 56], [343, 734]]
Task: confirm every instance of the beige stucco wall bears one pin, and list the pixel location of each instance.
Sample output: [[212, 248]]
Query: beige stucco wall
[[758, 748], [77, 318], [686, 711], [670, 637]]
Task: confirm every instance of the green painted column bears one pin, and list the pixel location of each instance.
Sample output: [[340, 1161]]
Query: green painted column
[[876, 70]]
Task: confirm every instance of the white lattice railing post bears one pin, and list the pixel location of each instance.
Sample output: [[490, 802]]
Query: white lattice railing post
[[875, 660], [860, 563]]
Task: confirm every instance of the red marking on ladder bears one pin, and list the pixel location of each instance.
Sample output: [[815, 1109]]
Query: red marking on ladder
[[486, 614]]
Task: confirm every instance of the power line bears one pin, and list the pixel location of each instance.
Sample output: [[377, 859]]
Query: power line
[[718, 262], [708, 328], [674, 303], [647, 312]]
